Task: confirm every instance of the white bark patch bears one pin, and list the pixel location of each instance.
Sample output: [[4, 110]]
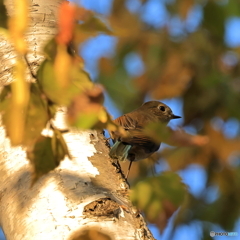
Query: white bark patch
[[10, 154], [53, 207], [80, 149]]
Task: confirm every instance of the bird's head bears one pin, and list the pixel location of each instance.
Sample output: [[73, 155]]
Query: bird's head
[[160, 110]]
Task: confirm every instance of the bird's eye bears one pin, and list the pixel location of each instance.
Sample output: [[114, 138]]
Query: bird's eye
[[162, 108]]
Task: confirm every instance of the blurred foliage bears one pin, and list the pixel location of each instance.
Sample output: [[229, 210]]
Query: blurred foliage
[[189, 65], [59, 81], [159, 197]]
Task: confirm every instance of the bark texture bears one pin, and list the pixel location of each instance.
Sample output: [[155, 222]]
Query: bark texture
[[87, 191]]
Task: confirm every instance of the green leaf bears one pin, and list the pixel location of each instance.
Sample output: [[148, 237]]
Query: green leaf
[[142, 194], [157, 131], [42, 158], [47, 80], [36, 116], [215, 25], [51, 87], [232, 8], [119, 86], [86, 120], [79, 81], [50, 49], [153, 210], [93, 25], [3, 15], [224, 211], [59, 146], [89, 28], [47, 154], [150, 194], [57, 149], [36, 113]]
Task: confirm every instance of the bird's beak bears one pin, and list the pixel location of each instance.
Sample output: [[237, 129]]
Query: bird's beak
[[175, 116]]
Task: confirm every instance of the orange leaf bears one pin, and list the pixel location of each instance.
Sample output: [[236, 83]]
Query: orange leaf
[[66, 22], [221, 146]]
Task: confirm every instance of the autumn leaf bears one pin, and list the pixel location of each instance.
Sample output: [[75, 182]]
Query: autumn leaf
[[62, 66], [87, 112], [17, 106], [159, 196], [90, 27], [66, 22], [181, 157], [129, 26], [85, 109], [174, 80], [184, 6], [220, 145], [62, 89], [161, 133], [94, 25], [18, 24]]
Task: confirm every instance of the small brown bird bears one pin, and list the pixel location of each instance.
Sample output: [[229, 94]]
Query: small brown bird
[[136, 145]]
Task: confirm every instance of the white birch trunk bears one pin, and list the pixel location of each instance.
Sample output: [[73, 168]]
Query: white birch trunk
[[57, 205]]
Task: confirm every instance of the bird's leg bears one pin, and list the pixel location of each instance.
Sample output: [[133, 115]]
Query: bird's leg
[[131, 158], [129, 167]]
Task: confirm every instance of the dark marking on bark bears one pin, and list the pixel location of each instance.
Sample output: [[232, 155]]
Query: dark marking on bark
[[102, 207]]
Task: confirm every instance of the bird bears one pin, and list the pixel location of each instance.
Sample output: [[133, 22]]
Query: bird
[[135, 145]]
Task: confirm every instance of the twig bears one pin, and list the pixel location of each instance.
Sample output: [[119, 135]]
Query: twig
[[29, 66]]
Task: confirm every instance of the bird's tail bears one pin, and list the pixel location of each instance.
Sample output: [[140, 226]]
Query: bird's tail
[[120, 151]]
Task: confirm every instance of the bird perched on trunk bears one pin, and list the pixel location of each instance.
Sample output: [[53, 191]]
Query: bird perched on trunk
[[135, 145]]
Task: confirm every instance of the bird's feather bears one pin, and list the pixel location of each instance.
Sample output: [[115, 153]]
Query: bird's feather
[[119, 151]]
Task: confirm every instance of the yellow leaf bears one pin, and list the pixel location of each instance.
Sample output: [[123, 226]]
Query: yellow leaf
[[21, 14], [143, 192], [102, 115], [18, 24], [62, 65], [19, 103], [154, 209]]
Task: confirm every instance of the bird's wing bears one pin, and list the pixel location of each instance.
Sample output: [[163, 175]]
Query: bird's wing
[[127, 122], [135, 120], [138, 138], [135, 135]]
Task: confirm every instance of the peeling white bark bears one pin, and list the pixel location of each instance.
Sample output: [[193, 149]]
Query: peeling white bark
[[55, 207]]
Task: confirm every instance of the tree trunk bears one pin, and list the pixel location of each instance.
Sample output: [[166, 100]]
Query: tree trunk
[[87, 191]]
